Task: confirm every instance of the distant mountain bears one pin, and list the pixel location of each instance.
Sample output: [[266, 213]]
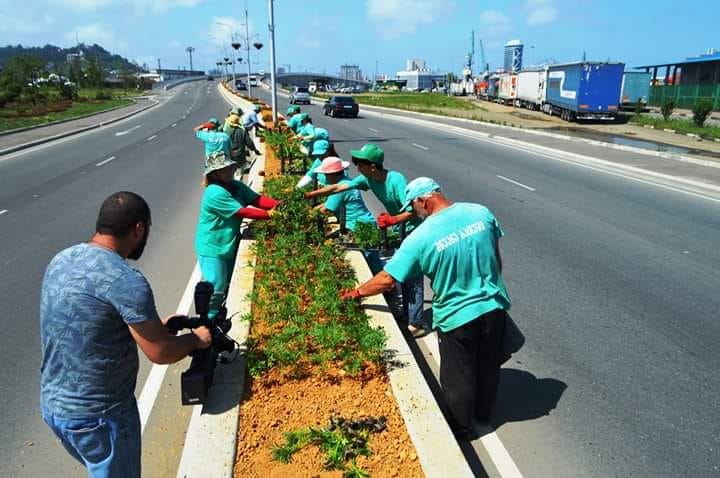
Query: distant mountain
[[56, 56]]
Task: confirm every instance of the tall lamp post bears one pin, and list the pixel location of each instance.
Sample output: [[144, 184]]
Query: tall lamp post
[[190, 51], [236, 46], [257, 46], [271, 30]]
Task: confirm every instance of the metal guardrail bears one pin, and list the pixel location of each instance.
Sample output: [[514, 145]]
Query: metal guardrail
[[167, 85]]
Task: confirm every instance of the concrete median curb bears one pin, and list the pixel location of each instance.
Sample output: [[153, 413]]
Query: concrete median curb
[[48, 139]]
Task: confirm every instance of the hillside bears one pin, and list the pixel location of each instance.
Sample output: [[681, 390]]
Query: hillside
[[58, 56]]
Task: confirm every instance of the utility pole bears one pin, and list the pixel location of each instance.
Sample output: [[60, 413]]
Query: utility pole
[[271, 30], [247, 48], [190, 51]]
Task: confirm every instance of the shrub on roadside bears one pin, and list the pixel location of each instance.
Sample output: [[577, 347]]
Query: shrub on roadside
[[667, 107], [701, 110], [103, 95]]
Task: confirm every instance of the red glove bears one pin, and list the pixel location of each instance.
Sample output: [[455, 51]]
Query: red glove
[[208, 125], [385, 220], [252, 213], [264, 202], [350, 295]]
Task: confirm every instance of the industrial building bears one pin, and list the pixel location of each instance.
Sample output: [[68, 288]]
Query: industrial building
[[513, 56], [686, 81], [350, 72], [417, 77]]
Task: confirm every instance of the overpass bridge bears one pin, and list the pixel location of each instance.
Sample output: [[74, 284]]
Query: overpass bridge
[[303, 79]]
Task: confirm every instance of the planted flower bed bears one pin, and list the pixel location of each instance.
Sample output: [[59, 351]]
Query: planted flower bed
[[319, 403]]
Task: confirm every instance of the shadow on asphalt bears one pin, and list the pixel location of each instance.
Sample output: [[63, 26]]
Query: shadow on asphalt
[[522, 396]]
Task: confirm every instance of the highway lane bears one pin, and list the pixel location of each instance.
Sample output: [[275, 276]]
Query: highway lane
[[52, 196], [615, 284]]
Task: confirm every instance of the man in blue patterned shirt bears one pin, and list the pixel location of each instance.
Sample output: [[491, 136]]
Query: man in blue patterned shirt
[[94, 309]]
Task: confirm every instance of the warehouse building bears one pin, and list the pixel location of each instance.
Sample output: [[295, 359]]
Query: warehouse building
[[418, 77], [686, 81]]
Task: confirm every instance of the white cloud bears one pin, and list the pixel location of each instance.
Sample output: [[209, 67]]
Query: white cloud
[[540, 12], [315, 32], [394, 18], [155, 6], [495, 26], [97, 33]]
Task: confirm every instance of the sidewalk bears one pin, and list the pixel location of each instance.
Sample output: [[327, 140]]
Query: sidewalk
[[30, 137]]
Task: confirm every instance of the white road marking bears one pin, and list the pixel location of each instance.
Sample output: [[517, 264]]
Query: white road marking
[[122, 133], [152, 137], [105, 161], [3, 212], [373, 130], [516, 183], [500, 457], [425, 148], [173, 125], [157, 373], [184, 117]]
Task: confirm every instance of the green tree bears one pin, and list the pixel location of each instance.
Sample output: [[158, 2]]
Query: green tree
[[701, 110], [20, 77], [452, 77], [94, 73]]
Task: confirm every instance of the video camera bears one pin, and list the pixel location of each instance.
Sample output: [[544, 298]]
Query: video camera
[[197, 379]]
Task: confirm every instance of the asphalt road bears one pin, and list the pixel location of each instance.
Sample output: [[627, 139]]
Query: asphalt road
[[52, 195], [614, 283]]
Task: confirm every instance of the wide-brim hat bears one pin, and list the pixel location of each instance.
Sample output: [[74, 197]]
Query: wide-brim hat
[[419, 187], [332, 165], [236, 111], [217, 161], [322, 133], [234, 120], [320, 146]]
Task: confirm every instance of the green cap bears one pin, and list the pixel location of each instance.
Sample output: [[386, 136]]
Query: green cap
[[217, 161], [257, 107], [304, 116], [370, 153], [296, 108], [419, 187], [236, 111], [291, 110], [214, 121]]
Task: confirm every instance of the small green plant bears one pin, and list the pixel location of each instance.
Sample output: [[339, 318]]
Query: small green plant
[[639, 106], [369, 236], [667, 107], [701, 110], [342, 441]]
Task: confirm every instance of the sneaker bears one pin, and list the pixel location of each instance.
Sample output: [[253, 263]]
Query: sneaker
[[417, 332]]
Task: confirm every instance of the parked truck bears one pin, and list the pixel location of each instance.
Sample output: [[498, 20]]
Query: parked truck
[[507, 88], [531, 88], [635, 88], [584, 90]]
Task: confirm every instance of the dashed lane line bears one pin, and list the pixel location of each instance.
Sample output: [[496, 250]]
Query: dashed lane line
[[173, 125], [424, 148], [516, 183], [373, 130], [105, 161], [152, 137], [3, 212]]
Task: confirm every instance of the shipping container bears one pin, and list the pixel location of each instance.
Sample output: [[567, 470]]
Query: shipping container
[[531, 88], [584, 90], [507, 88], [635, 88]]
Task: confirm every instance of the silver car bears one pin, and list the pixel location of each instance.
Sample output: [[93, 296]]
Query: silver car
[[300, 95]]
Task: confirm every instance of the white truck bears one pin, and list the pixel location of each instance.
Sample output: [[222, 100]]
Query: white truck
[[507, 88], [531, 88]]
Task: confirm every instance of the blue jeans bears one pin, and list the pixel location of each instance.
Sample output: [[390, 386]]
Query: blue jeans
[[372, 256], [413, 292], [108, 446], [218, 272]]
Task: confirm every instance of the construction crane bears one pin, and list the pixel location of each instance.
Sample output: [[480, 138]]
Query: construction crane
[[485, 64], [467, 72]]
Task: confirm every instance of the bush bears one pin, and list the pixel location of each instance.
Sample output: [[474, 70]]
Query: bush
[[667, 107], [103, 95], [701, 110], [68, 92], [3, 100]]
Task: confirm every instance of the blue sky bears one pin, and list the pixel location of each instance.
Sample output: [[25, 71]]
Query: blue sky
[[321, 35]]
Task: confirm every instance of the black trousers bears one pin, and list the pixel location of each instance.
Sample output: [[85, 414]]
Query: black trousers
[[470, 368]]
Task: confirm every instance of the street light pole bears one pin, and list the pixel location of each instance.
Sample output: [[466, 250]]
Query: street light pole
[[247, 47], [271, 29], [190, 51]]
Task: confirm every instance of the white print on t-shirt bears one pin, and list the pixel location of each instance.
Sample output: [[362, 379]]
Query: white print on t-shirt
[[455, 237]]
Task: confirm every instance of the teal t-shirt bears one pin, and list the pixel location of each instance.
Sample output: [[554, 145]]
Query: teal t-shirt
[[218, 228], [215, 142], [294, 123], [355, 208], [307, 130], [455, 248], [391, 194], [312, 174]]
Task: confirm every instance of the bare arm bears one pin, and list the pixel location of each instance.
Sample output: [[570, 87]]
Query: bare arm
[[162, 348], [327, 190], [382, 282], [498, 256]]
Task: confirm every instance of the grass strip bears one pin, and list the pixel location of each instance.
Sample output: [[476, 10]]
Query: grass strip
[[77, 109], [679, 125]]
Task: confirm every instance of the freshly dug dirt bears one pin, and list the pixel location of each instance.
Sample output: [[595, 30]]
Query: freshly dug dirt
[[278, 405]]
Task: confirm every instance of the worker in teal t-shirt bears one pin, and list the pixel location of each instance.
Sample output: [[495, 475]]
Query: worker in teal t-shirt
[[356, 211], [224, 205], [389, 188], [293, 121], [215, 141], [457, 247], [306, 132]]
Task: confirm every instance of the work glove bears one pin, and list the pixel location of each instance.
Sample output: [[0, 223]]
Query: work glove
[[385, 220], [271, 212], [350, 295]]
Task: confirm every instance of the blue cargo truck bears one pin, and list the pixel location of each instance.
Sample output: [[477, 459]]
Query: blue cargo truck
[[584, 90], [635, 89]]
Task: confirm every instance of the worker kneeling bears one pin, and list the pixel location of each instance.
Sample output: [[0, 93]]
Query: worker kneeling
[[457, 247]]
